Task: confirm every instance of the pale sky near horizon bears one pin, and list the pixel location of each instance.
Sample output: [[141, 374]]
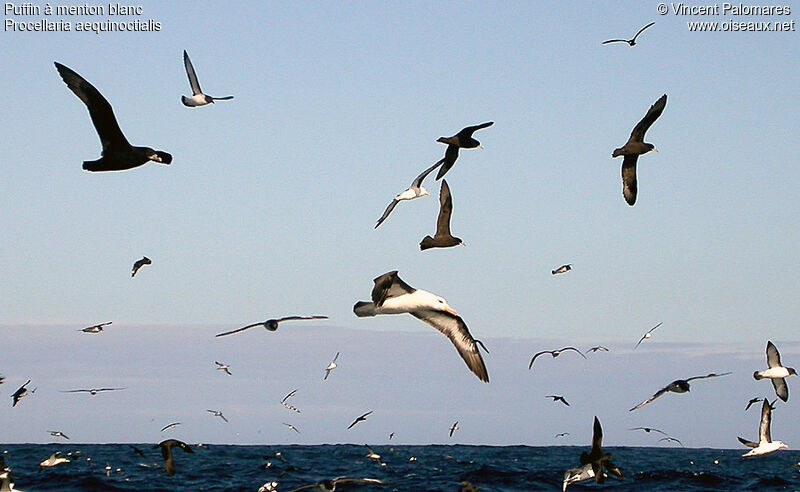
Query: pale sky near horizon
[[269, 205]]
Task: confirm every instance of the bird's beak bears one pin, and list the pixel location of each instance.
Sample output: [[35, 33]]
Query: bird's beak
[[451, 311], [480, 146], [463, 243], [655, 149]]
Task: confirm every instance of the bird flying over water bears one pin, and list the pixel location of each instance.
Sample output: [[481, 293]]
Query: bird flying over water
[[671, 439], [58, 434], [454, 428], [648, 430], [414, 191], [198, 98], [461, 140], [217, 413], [170, 426], [598, 348], [95, 328], [635, 147], [765, 443], [331, 367], [360, 418], [677, 386], [599, 460], [330, 485], [291, 427], [554, 353], [443, 238], [271, 324], [117, 154], [562, 269], [139, 264], [390, 295], [92, 391], [53, 460], [561, 434], [749, 403], [223, 367], [558, 398], [776, 372], [647, 335], [166, 453], [631, 42], [20, 393]]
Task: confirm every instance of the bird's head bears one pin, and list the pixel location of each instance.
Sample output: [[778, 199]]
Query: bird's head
[[791, 370], [651, 147], [424, 192], [440, 304]]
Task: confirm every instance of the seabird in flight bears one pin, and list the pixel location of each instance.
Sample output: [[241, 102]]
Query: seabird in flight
[[635, 147], [776, 372], [671, 439], [330, 485], [53, 460], [598, 460], [391, 295], [95, 328], [765, 443], [443, 238], [331, 367], [562, 269], [291, 427], [631, 42], [198, 98], [574, 475], [648, 430], [372, 454], [170, 426], [461, 140], [647, 335], [117, 154], [677, 386], [271, 324], [166, 452], [554, 353], [558, 398], [561, 434], [598, 348], [223, 367], [92, 391], [58, 434], [749, 403], [454, 428], [414, 191], [360, 418], [217, 413], [22, 391], [291, 394], [139, 264]]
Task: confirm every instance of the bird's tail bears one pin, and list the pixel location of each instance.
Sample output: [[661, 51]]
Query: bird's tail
[[757, 376], [426, 243], [364, 309]]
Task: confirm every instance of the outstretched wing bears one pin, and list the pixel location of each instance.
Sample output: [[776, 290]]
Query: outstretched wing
[[537, 355], [389, 285], [454, 328], [450, 156], [467, 132], [656, 395], [764, 435], [637, 135], [773, 356], [629, 184], [781, 389], [615, 41], [239, 329], [419, 179], [711, 375], [387, 212], [641, 30], [111, 136], [749, 444], [445, 210], [192, 75]]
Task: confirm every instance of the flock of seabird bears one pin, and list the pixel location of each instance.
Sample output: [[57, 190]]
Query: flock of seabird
[[391, 295]]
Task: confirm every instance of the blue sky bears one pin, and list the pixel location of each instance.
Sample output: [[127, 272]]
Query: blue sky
[[269, 206]]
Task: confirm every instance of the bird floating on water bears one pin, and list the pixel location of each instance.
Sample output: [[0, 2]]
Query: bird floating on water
[[635, 147], [198, 98], [461, 140], [677, 386], [391, 295], [647, 335], [414, 191], [139, 264], [631, 42], [117, 154], [166, 453], [271, 324], [443, 238], [776, 372], [95, 328], [554, 353], [765, 443]]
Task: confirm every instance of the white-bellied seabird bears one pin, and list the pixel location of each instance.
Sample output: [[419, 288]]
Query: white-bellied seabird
[[92, 391], [330, 485], [461, 140], [635, 147], [647, 335], [223, 367], [170, 426], [599, 460], [677, 386], [442, 238], [289, 395], [117, 154], [291, 408], [292, 427], [53, 460], [671, 439], [331, 367], [598, 348], [454, 428], [58, 434], [750, 402], [271, 324], [166, 453], [139, 264], [765, 443], [575, 475], [776, 372], [391, 295], [631, 42], [360, 418], [554, 353], [561, 434], [269, 487], [198, 98], [648, 430], [371, 454], [217, 413], [558, 398], [95, 328], [414, 191], [21, 392], [562, 269]]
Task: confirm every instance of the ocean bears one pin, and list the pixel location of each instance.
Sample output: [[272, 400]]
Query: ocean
[[407, 468]]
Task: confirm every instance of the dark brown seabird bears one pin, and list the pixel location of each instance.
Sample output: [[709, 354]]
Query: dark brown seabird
[[636, 147], [443, 238], [117, 154], [631, 42], [461, 140], [166, 452], [139, 264], [271, 324]]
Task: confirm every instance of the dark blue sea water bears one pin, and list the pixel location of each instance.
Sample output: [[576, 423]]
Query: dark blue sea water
[[436, 468]]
